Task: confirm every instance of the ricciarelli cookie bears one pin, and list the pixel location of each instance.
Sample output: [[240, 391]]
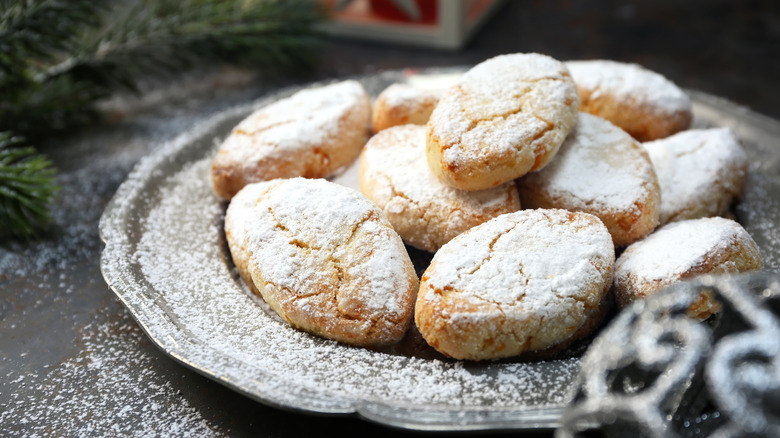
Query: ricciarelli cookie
[[701, 172], [425, 212], [529, 281], [599, 170], [506, 116], [401, 104], [683, 250], [313, 133], [324, 258], [640, 101]]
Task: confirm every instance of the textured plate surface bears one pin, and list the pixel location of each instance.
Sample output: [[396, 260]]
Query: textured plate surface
[[166, 259]]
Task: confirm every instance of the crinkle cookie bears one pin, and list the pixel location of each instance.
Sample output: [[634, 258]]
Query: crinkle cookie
[[424, 211], [701, 172], [313, 133], [324, 258], [682, 250], [599, 170], [640, 101], [506, 116], [529, 281], [401, 104]]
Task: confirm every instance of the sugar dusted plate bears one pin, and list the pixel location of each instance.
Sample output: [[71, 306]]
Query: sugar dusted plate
[[166, 259]]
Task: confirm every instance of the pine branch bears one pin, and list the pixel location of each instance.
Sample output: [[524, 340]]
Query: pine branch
[[26, 188], [38, 30], [138, 38], [42, 110], [159, 36], [33, 35], [59, 57]]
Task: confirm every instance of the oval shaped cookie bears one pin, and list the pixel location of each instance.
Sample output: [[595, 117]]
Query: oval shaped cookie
[[401, 104], [682, 250], [324, 258], [506, 116], [599, 170], [525, 281], [640, 101], [312, 133], [425, 212], [701, 172]]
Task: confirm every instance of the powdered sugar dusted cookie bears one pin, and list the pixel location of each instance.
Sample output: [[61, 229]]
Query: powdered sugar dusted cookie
[[312, 133], [424, 211], [525, 281], [324, 258], [401, 104], [640, 101], [603, 171], [683, 250], [701, 172], [506, 116]]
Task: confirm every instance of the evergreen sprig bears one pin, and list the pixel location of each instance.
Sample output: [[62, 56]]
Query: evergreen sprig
[[27, 184], [32, 31], [35, 34], [59, 57]]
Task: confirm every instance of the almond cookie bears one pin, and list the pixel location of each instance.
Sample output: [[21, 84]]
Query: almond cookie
[[324, 258], [425, 212], [506, 116], [640, 101], [682, 250], [527, 281], [599, 170], [312, 133], [701, 172], [401, 104]]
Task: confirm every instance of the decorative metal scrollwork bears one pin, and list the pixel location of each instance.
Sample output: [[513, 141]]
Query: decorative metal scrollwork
[[655, 372]]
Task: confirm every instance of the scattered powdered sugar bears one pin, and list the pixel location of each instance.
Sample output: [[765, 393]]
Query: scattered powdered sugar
[[598, 167], [758, 211], [219, 326], [700, 171], [112, 365], [629, 82], [678, 247]]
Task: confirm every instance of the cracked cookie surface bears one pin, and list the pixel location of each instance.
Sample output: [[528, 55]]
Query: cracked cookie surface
[[507, 116], [312, 134], [701, 172], [324, 258], [425, 212], [599, 170], [523, 282], [640, 101]]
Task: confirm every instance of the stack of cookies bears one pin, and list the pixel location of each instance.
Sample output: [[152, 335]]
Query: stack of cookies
[[545, 190]]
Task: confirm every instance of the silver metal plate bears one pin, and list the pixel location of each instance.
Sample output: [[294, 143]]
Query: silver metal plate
[[166, 259]]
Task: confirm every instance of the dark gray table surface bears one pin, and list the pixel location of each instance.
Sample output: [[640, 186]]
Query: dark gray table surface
[[72, 360]]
